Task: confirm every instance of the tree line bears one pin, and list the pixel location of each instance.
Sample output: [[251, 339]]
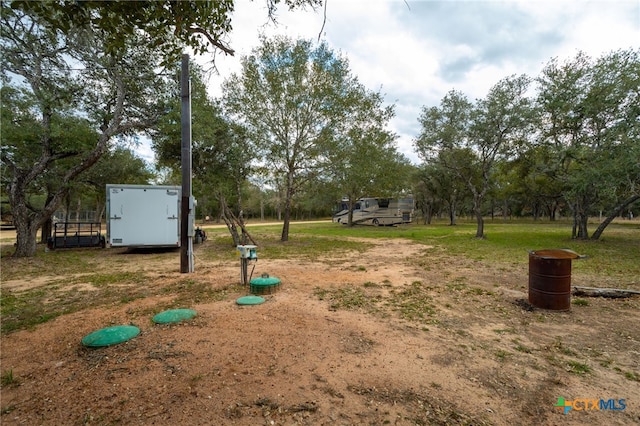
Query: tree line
[[294, 128], [568, 139]]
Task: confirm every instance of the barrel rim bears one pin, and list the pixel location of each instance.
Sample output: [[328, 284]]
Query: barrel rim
[[555, 254]]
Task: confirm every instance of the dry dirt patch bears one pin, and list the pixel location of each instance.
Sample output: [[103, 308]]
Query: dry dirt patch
[[400, 335]]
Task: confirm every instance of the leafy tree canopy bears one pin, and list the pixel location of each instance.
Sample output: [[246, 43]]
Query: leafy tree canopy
[[169, 25], [590, 126], [66, 98], [302, 105]]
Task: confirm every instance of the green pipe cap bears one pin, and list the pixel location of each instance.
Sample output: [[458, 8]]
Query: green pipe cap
[[174, 315], [265, 281], [110, 336], [250, 300]]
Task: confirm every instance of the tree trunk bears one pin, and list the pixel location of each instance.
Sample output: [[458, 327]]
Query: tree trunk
[[615, 212], [452, 211], [477, 209], [480, 223], [287, 209], [26, 237], [583, 231], [287, 220], [228, 220], [27, 226], [350, 214], [47, 226], [100, 209], [580, 219], [46, 231], [27, 222], [78, 211], [427, 212]]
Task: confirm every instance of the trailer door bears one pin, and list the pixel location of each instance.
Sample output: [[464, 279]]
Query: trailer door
[[144, 217]]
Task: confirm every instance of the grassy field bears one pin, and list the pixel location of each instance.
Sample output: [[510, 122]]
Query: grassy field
[[616, 254], [614, 257]]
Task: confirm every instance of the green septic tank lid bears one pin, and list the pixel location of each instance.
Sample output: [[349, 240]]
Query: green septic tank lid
[[250, 300], [110, 336], [174, 315], [265, 280]]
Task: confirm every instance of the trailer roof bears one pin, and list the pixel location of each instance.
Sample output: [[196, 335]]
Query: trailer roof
[[132, 186]]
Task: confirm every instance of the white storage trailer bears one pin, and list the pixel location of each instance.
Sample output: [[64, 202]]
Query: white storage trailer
[[143, 215]]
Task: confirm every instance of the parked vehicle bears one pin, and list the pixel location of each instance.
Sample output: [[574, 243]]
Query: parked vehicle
[[377, 211], [76, 235], [143, 215]]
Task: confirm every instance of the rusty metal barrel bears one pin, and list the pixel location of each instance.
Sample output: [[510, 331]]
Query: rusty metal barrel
[[550, 278]]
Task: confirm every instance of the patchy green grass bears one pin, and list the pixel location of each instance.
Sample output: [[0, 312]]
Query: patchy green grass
[[8, 409], [24, 310], [349, 298], [505, 330], [8, 379], [580, 302], [412, 302], [629, 375], [614, 255], [58, 262], [27, 309], [502, 355], [521, 348], [578, 367], [409, 302], [298, 246]]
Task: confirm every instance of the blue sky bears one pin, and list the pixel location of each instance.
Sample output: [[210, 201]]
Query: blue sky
[[415, 51]]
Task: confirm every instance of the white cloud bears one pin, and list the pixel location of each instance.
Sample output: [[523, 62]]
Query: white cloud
[[143, 150], [414, 52]]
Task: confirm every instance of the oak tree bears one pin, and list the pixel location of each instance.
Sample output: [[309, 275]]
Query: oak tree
[[297, 100]]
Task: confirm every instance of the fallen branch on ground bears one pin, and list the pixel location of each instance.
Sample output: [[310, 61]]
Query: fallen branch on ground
[[613, 293]]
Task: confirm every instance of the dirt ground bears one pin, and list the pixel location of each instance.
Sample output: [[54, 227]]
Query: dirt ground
[[401, 335]]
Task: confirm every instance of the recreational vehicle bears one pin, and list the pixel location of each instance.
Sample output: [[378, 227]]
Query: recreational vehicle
[[377, 211]]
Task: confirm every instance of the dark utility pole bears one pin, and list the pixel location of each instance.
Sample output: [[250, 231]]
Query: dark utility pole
[[186, 202]]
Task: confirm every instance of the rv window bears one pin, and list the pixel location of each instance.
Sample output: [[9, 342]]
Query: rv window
[[383, 202], [357, 207]]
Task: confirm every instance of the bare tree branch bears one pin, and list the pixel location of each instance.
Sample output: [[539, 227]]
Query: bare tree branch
[[324, 20]]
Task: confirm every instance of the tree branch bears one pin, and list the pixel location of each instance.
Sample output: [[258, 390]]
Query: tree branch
[[324, 20], [197, 30]]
